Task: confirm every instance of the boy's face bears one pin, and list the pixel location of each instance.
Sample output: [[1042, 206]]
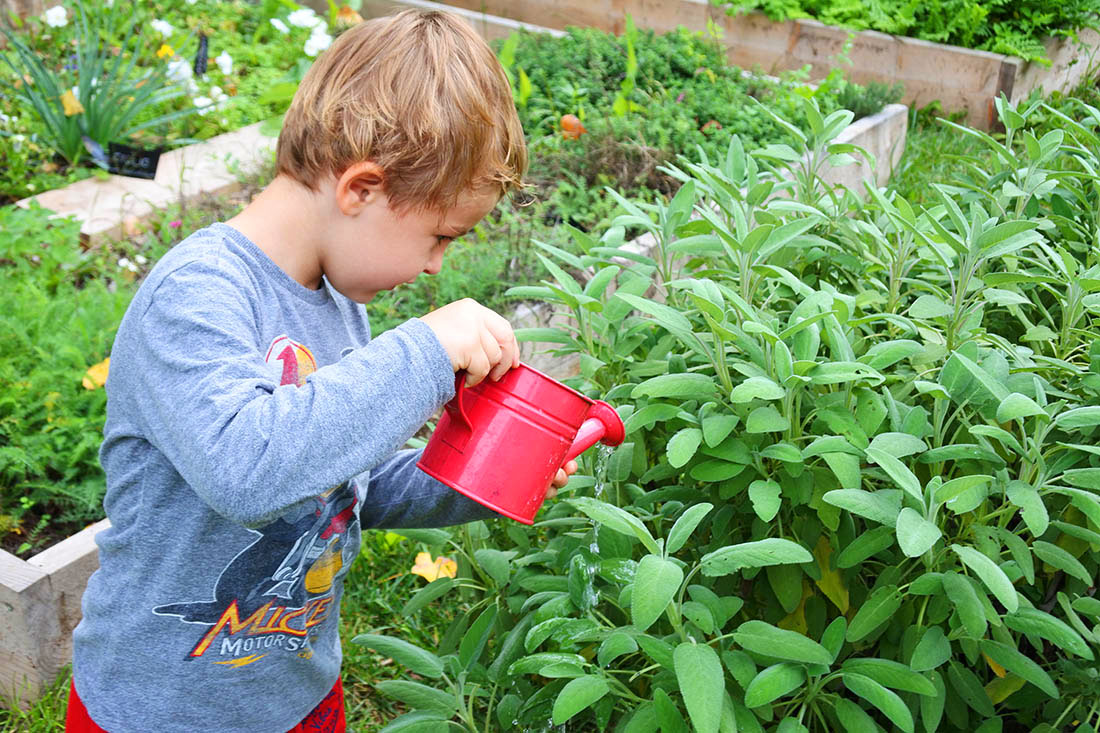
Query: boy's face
[[378, 248]]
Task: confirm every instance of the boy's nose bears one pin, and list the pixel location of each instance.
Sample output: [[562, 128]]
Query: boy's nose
[[435, 264]]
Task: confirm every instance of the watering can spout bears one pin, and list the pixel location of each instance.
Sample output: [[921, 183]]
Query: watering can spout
[[603, 424]]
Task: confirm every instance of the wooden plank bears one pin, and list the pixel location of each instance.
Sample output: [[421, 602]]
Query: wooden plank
[[27, 626], [1071, 60]]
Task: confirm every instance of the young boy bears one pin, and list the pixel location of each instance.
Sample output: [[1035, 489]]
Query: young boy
[[253, 424]]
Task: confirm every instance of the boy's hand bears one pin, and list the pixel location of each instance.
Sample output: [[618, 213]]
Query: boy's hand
[[561, 478], [476, 339]]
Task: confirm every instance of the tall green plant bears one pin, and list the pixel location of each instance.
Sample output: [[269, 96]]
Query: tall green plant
[[850, 496], [107, 96]]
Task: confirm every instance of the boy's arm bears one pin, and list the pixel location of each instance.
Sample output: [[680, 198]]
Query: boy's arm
[[400, 495], [192, 371]]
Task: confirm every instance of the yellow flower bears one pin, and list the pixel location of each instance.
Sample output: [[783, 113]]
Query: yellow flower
[[71, 104], [164, 50], [96, 376], [431, 569]]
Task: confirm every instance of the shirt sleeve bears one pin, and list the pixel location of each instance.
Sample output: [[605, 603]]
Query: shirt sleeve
[[193, 371], [401, 496]]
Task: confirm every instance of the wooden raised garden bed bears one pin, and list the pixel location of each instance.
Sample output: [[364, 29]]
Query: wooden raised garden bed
[[960, 79]]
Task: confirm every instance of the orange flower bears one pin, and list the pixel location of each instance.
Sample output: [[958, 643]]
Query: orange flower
[[571, 127], [71, 104], [96, 376], [431, 569], [347, 17]]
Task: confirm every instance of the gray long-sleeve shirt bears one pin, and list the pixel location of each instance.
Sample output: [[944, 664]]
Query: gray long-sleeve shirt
[[252, 426]]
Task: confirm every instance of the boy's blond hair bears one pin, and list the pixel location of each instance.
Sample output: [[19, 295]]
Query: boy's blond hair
[[420, 94]]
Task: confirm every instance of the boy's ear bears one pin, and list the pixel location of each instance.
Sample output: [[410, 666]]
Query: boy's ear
[[359, 184]]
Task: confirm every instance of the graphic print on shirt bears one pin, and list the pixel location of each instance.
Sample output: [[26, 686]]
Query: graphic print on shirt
[[274, 592]]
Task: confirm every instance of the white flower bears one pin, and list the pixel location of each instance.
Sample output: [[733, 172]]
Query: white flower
[[56, 17], [5, 119], [125, 264], [305, 18], [179, 70], [203, 103], [191, 2], [140, 259], [192, 86], [162, 27], [224, 62], [318, 42], [280, 26]]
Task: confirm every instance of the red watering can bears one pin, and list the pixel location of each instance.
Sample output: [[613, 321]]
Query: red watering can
[[500, 443]]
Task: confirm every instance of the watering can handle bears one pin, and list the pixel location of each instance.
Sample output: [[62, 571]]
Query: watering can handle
[[603, 425], [454, 407]]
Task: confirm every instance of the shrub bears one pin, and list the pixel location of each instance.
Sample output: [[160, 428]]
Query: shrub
[[859, 486], [57, 322]]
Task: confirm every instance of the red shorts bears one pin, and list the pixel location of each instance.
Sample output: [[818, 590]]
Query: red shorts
[[327, 717]]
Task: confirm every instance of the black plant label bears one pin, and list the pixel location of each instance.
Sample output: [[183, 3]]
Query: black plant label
[[124, 160], [202, 55]]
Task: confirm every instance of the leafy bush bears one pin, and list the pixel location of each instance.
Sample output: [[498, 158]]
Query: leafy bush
[[1000, 26], [859, 489], [642, 98], [58, 322]]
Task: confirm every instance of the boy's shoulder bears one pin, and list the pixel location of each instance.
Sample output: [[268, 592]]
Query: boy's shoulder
[[216, 254]]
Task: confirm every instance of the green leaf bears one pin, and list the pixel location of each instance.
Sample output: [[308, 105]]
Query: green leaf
[[1017, 406], [423, 662], [756, 388], [931, 651], [614, 646], [1081, 417], [427, 594], [1043, 625], [898, 445], [854, 718], [929, 306], [616, 518], [1055, 556], [418, 721], [957, 487], [875, 611], [888, 353], [991, 575], [682, 446], [702, 682], [771, 551], [880, 506], [577, 695], [864, 545], [496, 563], [685, 525], [970, 689], [885, 701], [1084, 478], [717, 427], [1018, 664], [670, 318], [685, 385], [965, 600], [916, 535], [898, 471], [764, 496], [766, 640], [889, 673], [766, 420], [418, 696], [773, 682], [656, 582], [846, 469]]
